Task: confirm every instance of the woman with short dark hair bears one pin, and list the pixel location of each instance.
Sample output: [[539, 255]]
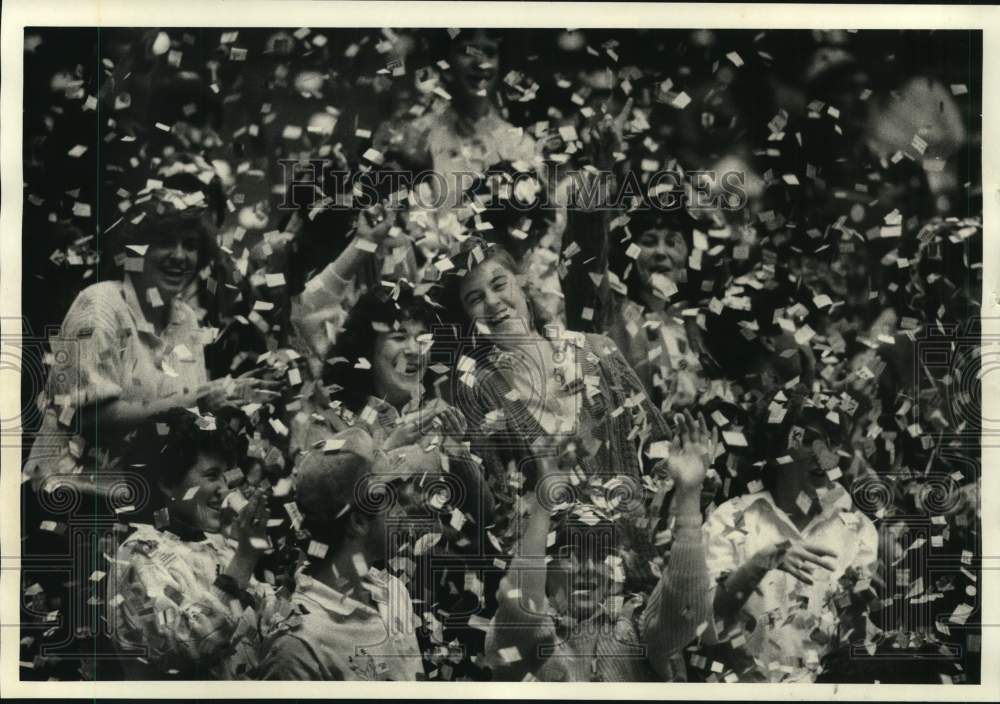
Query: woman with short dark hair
[[131, 349], [185, 598]]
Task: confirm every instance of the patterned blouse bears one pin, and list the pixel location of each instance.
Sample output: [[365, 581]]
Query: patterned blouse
[[169, 611], [106, 351]]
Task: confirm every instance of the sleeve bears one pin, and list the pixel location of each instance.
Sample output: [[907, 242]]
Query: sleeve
[[632, 385], [681, 601], [326, 298], [87, 357], [182, 625], [289, 658], [516, 634]]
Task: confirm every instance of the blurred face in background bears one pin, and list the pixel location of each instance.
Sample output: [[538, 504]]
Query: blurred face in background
[[475, 65]]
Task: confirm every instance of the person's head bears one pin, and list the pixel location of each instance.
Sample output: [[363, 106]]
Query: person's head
[[486, 292], [473, 57], [801, 449], [948, 277], [166, 239], [188, 465], [834, 76], [585, 569], [509, 199], [664, 239], [340, 497], [393, 334]]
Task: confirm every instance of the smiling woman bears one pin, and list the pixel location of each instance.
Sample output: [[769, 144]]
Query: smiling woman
[[184, 594], [131, 349]]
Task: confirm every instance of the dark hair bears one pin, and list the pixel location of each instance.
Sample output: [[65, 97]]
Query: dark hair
[[769, 441], [157, 216], [642, 220], [165, 448], [357, 339], [517, 223], [439, 43], [323, 510]]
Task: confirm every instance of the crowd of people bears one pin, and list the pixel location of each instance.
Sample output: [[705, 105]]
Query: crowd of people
[[461, 355]]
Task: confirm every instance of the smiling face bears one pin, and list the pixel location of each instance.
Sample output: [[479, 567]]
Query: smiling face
[[662, 251], [579, 581], [203, 510], [492, 296], [812, 458], [398, 361], [474, 59], [169, 264]]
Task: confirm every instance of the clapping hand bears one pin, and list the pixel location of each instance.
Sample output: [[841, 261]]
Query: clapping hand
[[250, 527]]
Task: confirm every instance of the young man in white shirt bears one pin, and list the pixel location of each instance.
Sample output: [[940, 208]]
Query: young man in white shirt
[[778, 555]]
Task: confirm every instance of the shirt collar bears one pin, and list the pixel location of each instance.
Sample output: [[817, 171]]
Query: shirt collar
[[833, 501], [176, 312], [339, 604]]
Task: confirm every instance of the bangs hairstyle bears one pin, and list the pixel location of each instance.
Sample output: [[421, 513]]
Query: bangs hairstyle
[[357, 339], [473, 253], [166, 448], [165, 214]]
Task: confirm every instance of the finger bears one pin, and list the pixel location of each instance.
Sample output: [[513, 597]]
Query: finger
[[681, 429], [622, 117], [801, 576], [818, 561], [702, 428], [688, 427], [820, 550]]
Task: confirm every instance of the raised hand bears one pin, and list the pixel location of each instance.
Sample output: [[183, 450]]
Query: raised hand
[[374, 225], [250, 527], [606, 137], [692, 451]]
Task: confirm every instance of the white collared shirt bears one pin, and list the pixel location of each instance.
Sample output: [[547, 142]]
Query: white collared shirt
[[795, 622]]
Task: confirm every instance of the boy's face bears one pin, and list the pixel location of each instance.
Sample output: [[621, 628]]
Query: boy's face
[[475, 64], [581, 575], [814, 455]]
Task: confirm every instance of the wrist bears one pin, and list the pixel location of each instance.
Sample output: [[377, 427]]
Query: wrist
[[760, 563], [687, 501]]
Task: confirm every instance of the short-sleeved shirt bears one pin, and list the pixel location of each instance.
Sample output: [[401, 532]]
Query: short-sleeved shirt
[[331, 636], [107, 350], [795, 622]]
